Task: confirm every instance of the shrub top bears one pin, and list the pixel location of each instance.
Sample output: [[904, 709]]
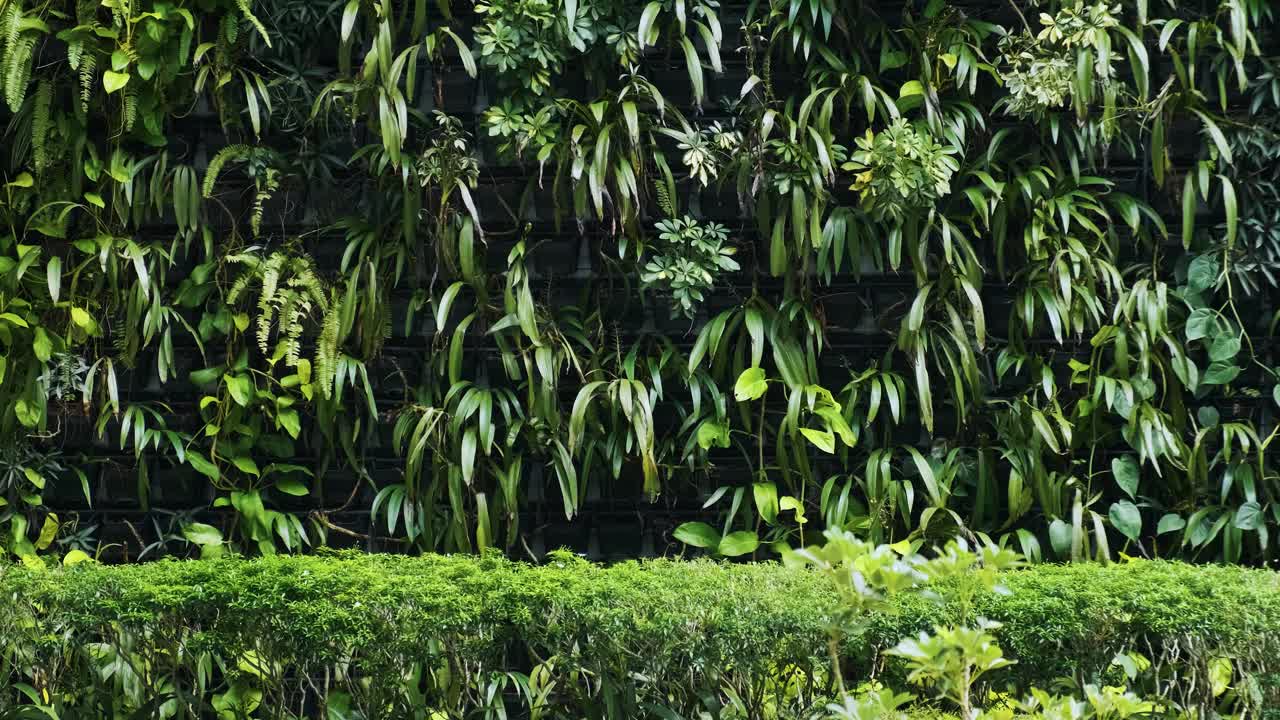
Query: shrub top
[[654, 616]]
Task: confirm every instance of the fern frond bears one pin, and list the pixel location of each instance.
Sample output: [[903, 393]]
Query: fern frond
[[303, 269], [40, 124], [664, 198], [296, 309], [259, 206], [267, 299], [327, 347], [130, 106], [88, 66], [75, 50], [228, 32], [10, 14], [249, 259], [245, 278], [15, 71], [247, 11], [266, 188], [227, 154]]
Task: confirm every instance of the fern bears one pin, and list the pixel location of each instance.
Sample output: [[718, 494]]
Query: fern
[[230, 153], [88, 66], [289, 294], [311, 284], [295, 308], [242, 282], [10, 14], [15, 64], [266, 188], [253, 20], [86, 12], [20, 75], [267, 300], [664, 198], [10, 34], [326, 365], [267, 182], [130, 106], [40, 125], [75, 50], [228, 34]]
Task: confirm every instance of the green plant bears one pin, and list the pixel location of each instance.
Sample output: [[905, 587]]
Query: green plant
[[901, 170], [686, 260], [1044, 305], [952, 659], [526, 39], [656, 637]]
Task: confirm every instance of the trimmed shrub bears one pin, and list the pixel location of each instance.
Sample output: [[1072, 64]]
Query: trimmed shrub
[[356, 636], [1070, 621]]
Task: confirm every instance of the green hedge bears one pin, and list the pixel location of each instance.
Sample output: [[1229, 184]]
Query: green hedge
[[387, 636], [1071, 620]]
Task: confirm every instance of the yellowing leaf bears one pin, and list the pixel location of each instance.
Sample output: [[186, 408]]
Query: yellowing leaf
[[113, 81], [75, 557], [48, 531], [751, 385], [82, 319], [824, 439], [1220, 675], [34, 477]]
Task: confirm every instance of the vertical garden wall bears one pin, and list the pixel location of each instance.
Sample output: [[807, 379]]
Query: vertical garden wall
[[634, 277]]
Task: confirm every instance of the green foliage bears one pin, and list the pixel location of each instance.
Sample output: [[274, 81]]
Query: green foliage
[[952, 659], [686, 260], [289, 293], [901, 170], [241, 235], [524, 38], [654, 637]]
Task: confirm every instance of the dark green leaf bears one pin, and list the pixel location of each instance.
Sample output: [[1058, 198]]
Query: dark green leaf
[[1125, 471]]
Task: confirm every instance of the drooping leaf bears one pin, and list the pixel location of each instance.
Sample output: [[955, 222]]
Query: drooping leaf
[[114, 81], [1125, 471], [825, 440], [1126, 518], [1171, 522], [202, 534]]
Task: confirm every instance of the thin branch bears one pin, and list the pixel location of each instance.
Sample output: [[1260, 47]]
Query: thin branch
[[1021, 17]]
